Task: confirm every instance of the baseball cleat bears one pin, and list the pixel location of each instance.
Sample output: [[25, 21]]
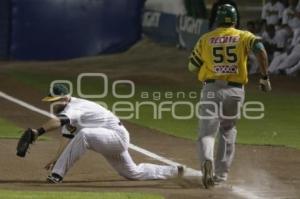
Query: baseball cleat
[[207, 178], [54, 178], [220, 179]]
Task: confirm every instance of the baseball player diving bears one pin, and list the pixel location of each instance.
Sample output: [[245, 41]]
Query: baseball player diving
[[87, 125], [220, 59]]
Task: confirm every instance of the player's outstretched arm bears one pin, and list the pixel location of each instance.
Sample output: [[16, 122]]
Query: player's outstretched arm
[[262, 57], [31, 135], [50, 125]]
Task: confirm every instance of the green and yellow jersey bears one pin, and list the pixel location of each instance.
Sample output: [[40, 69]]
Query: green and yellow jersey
[[222, 54]]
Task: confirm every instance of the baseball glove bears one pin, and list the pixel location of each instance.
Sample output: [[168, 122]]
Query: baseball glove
[[25, 140]]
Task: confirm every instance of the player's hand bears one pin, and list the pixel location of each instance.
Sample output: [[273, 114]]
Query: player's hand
[[36, 134], [50, 165], [265, 84]]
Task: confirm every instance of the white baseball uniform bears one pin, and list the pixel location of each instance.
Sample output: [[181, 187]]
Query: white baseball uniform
[[282, 38], [289, 18], [266, 38], [272, 13], [298, 6], [285, 60], [96, 128], [293, 70], [253, 63]]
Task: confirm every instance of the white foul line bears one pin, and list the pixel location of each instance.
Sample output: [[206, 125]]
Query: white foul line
[[47, 114], [26, 105]]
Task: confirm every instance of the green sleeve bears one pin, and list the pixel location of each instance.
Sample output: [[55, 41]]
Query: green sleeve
[[257, 46]]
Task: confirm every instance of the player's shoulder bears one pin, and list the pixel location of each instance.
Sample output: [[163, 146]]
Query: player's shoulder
[[279, 4], [244, 33], [206, 35], [78, 102], [75, 100], [267, 5]]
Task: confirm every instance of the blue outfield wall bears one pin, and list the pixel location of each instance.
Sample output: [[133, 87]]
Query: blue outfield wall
[[63, 29], [161, 27], [173, 29], [5, 21]]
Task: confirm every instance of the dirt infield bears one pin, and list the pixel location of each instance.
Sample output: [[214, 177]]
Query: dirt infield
[[264, 172], [258, 172]]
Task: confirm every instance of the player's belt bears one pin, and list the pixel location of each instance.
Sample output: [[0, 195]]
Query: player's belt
[[229, 83]]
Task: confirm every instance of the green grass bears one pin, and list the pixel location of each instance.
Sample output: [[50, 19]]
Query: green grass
[[280, 126], [281, 123], [8, 130], [74, 195]]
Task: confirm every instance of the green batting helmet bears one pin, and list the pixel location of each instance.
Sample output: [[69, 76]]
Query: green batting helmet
[[226, 14]]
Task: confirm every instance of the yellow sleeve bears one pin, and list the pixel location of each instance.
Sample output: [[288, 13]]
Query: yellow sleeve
[[249, 40], [195, 57]]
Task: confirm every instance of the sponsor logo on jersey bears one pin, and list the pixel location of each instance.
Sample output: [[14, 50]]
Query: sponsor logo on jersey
[[224, 40], [71, 128], [226, 69]]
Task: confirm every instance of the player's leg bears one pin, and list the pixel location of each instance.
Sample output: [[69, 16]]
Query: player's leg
[[208, 127], [74, 150], [208, 122], [293, 70], [273, 68], [226, 150], [231, 105], [291, 60], [98, 139], [113, 145], [127, 168]]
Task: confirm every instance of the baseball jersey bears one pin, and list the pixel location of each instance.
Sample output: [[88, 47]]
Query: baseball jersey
[[288, 17], [272, 13], [280, 39], [298, 7], [86, 114], [223, 53]]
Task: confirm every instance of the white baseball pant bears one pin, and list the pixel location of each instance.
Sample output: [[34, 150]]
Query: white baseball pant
[[285, 61], [225, 101], [113, 145], [293, 70]]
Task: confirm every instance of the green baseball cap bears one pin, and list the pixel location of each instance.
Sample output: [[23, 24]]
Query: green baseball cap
[[57, 91]]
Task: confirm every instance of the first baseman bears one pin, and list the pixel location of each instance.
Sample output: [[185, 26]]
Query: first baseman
[[220, 59], [89, 126]]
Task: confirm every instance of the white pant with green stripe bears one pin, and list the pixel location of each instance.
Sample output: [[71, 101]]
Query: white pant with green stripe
[[113, 145], [220, 105]]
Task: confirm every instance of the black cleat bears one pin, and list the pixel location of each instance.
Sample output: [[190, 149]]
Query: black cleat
[[207, 178], [54, 178]]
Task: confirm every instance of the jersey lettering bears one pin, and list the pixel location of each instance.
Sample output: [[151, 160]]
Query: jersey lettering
[[226, 69]]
